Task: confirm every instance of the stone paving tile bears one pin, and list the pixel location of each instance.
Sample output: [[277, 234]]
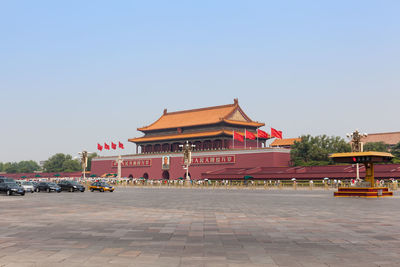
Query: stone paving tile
[[191, 227]]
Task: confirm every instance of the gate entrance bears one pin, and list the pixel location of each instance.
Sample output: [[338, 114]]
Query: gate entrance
[[165, 175]]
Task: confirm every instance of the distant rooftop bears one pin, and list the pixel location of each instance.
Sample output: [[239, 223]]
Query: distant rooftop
[[284, 142], [390, 138]]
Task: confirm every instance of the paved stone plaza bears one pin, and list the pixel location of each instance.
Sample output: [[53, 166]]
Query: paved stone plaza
[[198, 227]]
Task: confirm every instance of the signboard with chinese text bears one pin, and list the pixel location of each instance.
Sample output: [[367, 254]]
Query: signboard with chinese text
[[213, 160], [133, 163]]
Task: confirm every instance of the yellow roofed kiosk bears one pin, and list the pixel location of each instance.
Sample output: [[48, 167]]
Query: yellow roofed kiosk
[[368, 189]]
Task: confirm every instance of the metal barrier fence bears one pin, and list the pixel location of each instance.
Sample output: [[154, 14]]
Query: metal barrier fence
[[252, 185]]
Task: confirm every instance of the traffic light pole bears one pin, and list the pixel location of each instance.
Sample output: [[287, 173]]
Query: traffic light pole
[[357, 146], [187, 173], [369, 173], [358, 171]]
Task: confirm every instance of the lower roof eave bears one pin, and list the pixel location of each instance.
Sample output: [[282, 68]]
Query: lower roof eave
[[186, 136]]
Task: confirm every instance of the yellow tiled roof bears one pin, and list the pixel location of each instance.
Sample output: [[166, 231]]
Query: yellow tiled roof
[[285, 142], [358, 154], [202, 116]]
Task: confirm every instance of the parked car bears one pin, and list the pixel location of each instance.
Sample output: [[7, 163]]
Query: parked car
[[71, 186], [10, 187], [101, 186], [48, 187], [35, 185], [28, 186]]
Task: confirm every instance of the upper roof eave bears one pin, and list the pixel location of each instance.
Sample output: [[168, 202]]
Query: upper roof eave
[[149, 127], [244, 123], [198, 117]]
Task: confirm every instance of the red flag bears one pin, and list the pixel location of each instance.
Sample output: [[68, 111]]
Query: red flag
[[262, 134], [238, 136], [106, 146], [120, 145], [99, 147], [113, 146], [250, 135], [276, 133]]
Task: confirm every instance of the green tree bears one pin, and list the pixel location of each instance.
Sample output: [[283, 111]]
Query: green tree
[[315, 150], [61, 163], [90, 157], [55, 163], [11, 167], [1, 166], [71, 165], [396, 150], [376, 146], [28, 166]]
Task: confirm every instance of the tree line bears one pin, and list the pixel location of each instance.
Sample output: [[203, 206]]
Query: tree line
[[315, 150], [57, 163]]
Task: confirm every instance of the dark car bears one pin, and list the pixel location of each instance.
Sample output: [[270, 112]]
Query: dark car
[[35, 185], [48, 187], [10, 187], [71, 186]]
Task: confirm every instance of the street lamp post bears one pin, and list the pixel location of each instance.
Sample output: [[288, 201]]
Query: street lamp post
[[119, 161], [356, 145], [84, 161], [187, 157]]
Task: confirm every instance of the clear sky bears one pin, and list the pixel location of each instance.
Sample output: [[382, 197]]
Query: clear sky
[[74, 73]]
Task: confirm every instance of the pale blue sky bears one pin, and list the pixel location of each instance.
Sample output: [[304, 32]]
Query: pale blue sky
[[74, 73]]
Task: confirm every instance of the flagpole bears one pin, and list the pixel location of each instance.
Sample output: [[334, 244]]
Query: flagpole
[[245, 138], [233, 139], [257, 137]]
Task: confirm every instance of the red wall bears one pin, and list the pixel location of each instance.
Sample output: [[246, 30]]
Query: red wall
[[248, 160], [382, 171]]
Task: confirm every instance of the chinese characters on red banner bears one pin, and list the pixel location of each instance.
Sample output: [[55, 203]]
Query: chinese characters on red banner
[[133, 163], [195, 161], [213, 160]]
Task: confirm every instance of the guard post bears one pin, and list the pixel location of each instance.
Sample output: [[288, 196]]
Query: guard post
[[367, 189]]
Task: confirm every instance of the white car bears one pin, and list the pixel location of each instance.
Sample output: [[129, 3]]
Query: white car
[[28, 186]]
